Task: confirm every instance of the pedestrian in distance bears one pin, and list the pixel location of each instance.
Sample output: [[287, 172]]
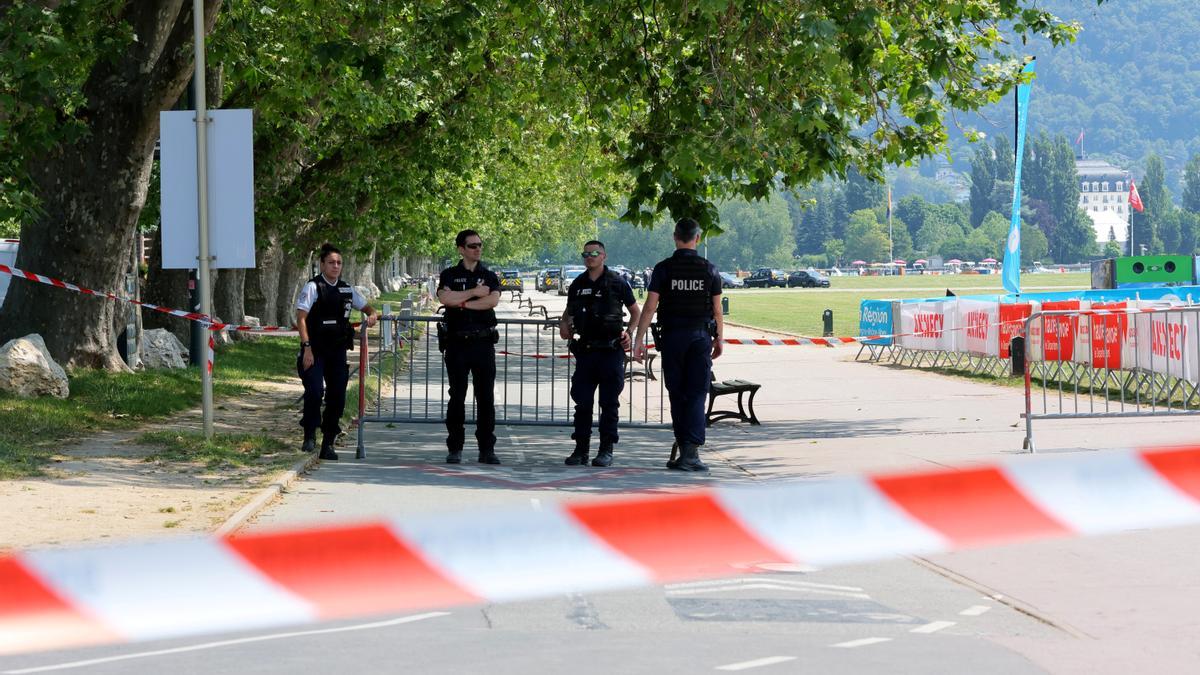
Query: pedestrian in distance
[[685, 292], [323, 320], [467, 336], [594, 324]]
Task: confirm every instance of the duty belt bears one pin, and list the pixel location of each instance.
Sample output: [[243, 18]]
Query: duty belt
[[471, 335]]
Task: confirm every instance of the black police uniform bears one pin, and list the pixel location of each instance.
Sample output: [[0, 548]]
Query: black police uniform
[[596, 310], [469, 350], [330, 336], [686, 284]]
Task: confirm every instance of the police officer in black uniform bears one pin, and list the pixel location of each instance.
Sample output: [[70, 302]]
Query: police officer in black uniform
[[470, 292], [685, 290], [595, 304], [323, 320]]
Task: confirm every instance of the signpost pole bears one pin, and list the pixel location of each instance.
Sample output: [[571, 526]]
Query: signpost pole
[[204, 263]]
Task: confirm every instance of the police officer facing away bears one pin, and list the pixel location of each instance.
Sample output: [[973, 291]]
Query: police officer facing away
[[595, 302], [685, 290], [323, 319], [470, 292]]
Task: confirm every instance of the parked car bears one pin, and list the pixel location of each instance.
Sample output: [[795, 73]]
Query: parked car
[[765, 277], [809, 279], [547, 280], [569, 272], [731, 281], [510, 280]]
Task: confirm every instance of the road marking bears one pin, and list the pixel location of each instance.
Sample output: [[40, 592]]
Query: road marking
[[756, 663], [537, 503], [759, 579], [932, 627], [974, 610], [228, 643], [765, 586], [861, 643]]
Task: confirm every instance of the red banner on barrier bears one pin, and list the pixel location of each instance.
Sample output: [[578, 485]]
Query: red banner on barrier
[[1108, 333], [1059, 339], [1012, 324]]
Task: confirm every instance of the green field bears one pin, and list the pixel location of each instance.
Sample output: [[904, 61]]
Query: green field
[[797, 311]]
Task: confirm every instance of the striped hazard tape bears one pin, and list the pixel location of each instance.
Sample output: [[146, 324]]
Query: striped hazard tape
[[170, 588]]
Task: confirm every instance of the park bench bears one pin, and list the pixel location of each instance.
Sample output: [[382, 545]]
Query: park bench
[[729, 387]]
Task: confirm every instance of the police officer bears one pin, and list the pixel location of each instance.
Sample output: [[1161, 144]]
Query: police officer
[[470, 292], [323, 320], [594, 311], [685, 290]]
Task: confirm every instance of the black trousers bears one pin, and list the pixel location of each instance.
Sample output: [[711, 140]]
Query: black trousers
[[605, 369], [686, 369], [326, 379], [477, 359]]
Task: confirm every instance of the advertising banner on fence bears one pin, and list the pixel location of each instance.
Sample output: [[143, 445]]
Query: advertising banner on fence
[[1105, 335], [1052, 338], [1164, 343], [927, 326], [1012, 323], [875, 318], [980, 334]]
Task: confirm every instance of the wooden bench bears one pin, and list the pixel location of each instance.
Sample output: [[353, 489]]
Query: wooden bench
[[739, 387], [632, 371]]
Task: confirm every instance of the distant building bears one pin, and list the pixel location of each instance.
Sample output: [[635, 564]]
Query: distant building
[[955, 181], [1104, 195]]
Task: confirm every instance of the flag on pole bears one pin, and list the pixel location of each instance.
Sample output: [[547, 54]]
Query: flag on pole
[[1011, 270], [1079, 141], [1135, 200], [889, 204]]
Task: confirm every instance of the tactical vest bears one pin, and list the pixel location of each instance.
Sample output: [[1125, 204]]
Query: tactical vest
[[470, 322], [600, 320], [329, 318], [685, 297]]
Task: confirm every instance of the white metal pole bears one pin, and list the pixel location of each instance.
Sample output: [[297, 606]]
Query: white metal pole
[[204, 263]]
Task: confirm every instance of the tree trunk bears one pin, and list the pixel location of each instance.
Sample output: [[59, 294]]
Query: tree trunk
[[92, 191], [262, 283], [229, 298], [166, 288], [291, 277]]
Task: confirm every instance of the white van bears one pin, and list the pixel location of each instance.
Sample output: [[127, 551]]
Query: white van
[[8, 256]]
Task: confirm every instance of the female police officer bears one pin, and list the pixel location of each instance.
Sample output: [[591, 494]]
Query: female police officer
[[685, 290], [323, 319], [594, 312]]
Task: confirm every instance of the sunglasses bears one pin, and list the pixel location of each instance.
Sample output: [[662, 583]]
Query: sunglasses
[[478, 244], [591, 254]]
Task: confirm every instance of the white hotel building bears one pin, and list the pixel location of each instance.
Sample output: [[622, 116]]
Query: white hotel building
[[1104, 195]]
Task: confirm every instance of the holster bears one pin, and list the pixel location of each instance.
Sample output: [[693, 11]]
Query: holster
[[656, 332]]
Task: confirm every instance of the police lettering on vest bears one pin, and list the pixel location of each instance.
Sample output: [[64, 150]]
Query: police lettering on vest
[[686, 298], [329, 318]]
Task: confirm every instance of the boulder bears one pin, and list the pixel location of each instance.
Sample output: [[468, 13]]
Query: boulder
[[161, 349], [369, 292], [27, 369]]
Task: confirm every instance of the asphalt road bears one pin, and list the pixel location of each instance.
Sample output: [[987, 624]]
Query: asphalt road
[[1115, 604]]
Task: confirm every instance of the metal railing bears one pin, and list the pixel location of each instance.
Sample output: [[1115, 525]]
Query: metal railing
[[1082, 364], [408, 381]]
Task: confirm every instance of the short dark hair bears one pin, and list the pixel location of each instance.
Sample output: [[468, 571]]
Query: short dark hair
[[461, 240], [687, 229], [326, 249], [595, 242]]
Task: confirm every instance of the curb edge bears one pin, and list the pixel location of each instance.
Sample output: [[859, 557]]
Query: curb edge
[[281, 482]]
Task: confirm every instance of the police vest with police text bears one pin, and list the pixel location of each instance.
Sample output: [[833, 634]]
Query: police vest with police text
[[600, 318], [685, 295], [328, 319]]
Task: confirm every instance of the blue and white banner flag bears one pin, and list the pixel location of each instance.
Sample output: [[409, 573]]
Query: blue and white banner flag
[[1011, 272]]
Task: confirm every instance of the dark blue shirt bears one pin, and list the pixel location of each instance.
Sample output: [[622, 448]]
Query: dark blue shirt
[[656, 277], [583, 287]]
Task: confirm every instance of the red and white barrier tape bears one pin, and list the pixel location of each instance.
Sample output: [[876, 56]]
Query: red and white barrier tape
[[190, 316], [176, 587]]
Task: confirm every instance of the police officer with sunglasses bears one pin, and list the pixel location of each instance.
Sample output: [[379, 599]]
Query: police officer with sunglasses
[[594, 324], [470, 292]]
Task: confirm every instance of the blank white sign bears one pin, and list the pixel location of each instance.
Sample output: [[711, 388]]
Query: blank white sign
[[230, 189]]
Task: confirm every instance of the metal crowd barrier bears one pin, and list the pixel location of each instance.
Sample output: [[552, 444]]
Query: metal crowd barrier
[[1131, 365], [408, 384]]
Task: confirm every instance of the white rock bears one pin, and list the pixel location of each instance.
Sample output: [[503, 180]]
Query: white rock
[[28, 370], [161, 349]]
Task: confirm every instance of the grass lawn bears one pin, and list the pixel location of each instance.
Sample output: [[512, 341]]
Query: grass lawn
[[32, 430], [797, 311]]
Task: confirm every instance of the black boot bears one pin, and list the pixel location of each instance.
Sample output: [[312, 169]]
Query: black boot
[[454, 457], [689, 458], [310, 441], [604, 455], [580, 456], [488, 457], [327, 452], [673, 460]]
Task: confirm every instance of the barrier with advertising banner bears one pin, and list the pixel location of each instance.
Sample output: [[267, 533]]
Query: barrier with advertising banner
[[980, 322], [875, 318], [927, 326]]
